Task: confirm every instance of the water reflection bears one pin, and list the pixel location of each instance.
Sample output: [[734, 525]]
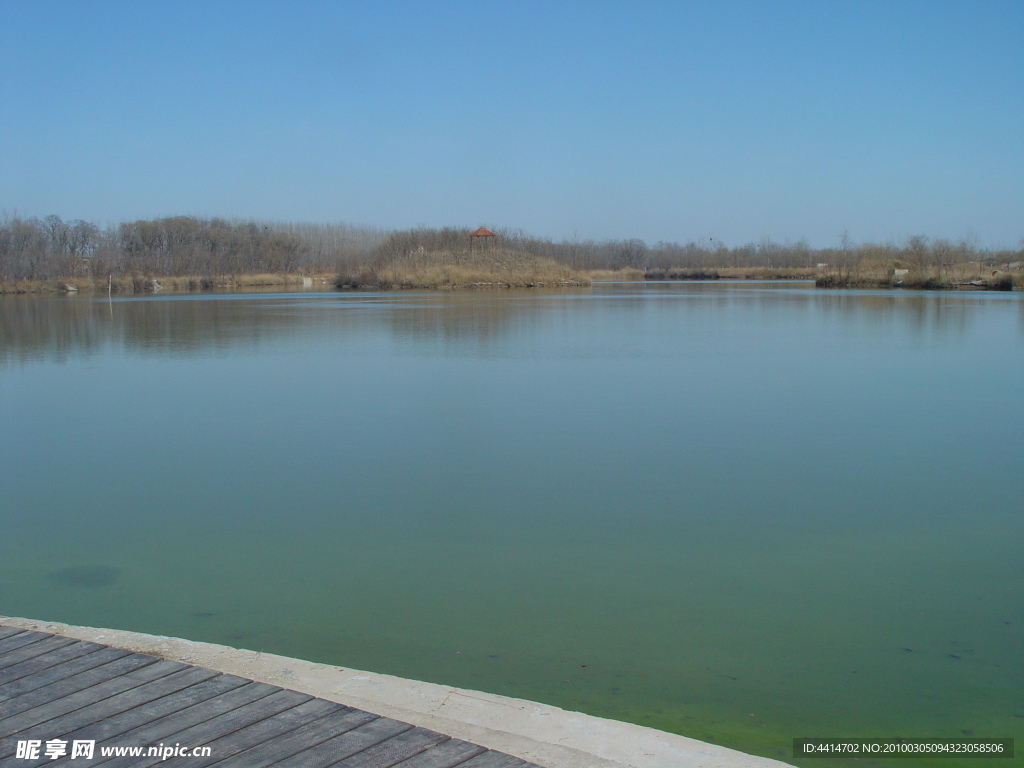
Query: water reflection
[[723, 489], [54, 329]]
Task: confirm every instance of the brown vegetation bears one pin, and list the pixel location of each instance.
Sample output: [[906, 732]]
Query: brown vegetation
[[180, 253], [184, 253], [449, 260], [165, 283], [921, 264], [615, 275], [963, 276], [767, 273]]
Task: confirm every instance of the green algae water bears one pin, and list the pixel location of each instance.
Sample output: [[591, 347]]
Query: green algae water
[[740, 512]]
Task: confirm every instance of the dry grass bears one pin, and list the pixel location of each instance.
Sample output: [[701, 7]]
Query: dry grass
[[171, 284], [616, 275], [681, 273], [963, 277], [730, 273], [445, 270], [497, 268], [767, 273]]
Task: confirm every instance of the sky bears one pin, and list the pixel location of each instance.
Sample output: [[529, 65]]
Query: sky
[[673, 121]]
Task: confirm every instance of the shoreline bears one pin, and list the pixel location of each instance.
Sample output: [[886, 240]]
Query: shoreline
[[550, 736], [193, 284], [136, 285], [256, 282]]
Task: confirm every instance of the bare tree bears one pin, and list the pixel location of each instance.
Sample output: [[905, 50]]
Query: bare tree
[[632, 253]]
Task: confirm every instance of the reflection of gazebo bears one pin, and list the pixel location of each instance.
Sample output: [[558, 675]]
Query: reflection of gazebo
[[482, 232]]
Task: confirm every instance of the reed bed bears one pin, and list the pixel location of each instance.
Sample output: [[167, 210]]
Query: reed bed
[[729, 273], [138, 284], [957, 278], [448, 270], [616, 275]]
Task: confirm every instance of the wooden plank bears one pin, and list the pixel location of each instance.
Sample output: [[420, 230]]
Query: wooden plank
[[8, 631], [493, 759], [345, 745], [51, 659], [273, 752], [158, 730], [159, 708], [118, 703], [222, 725], [265, 730], [76, 725], [57, 687], [447, 754], [59, 672], [241, 717], [396, 749], [70, 695], [25, 652], [15, 633], [18, 640]]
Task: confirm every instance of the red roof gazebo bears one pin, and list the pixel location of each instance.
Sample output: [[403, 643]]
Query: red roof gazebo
[[481, 232]]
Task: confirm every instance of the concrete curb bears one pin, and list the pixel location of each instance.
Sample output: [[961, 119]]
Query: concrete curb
[[535, 732]]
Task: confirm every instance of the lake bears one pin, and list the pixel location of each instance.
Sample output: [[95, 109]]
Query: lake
[[743, 512]]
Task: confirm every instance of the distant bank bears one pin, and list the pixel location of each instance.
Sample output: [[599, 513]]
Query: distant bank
[[512, 273], [955, 277], [183, 253]]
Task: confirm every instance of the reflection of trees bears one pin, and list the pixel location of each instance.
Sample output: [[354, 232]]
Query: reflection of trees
[[50, 328], [459, 317], [34, 327], [452, 321], [921, 314]]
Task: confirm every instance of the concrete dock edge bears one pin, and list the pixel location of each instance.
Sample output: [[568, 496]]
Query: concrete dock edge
[[539, 733]]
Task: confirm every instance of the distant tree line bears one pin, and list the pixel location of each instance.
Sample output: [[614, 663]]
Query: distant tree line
[[918, 251], [51, 248]]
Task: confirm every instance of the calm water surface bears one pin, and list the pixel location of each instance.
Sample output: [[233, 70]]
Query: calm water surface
[[741, 512]]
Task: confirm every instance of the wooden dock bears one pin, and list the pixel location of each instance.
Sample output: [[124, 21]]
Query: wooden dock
[[56, 690]]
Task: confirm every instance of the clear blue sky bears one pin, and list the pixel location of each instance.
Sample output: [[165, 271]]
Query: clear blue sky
[[657, 120]]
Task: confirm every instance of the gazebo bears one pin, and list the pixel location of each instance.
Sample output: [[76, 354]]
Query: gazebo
[[481, 232]]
